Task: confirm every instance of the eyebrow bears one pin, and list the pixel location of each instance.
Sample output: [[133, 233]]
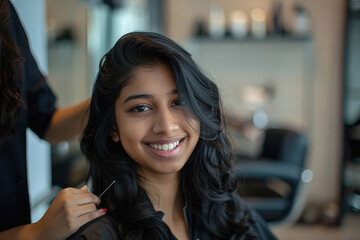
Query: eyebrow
[[146, 96]]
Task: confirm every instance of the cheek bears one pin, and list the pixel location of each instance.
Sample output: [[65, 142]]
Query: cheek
[[130, 132], [194, 124]]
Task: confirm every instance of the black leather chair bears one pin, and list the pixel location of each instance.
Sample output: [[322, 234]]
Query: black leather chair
[[274, 183]]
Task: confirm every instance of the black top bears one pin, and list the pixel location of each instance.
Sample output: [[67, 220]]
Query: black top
[[106, 228], [40, 106]]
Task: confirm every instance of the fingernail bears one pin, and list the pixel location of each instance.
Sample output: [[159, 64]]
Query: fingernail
[[104, 210]]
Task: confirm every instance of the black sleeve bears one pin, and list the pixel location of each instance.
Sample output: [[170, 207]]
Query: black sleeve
[[102, 228], [260, 226], [39, 98]]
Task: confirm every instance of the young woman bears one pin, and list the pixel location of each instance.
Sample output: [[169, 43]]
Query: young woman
[[156, 128]]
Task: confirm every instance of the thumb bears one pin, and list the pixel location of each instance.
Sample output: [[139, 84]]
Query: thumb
[[85, 187]]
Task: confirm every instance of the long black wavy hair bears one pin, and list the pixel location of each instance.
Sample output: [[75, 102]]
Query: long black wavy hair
[[207, 183]]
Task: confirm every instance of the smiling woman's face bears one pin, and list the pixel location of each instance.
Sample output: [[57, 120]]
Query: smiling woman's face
[[151, 124]]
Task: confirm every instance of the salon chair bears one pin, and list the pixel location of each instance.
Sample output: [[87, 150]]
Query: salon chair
[[69, 166], [274, 183]]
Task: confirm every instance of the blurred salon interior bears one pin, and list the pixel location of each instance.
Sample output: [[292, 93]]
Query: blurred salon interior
[[289, 75]]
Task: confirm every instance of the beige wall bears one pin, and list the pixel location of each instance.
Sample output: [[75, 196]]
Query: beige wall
[[329, 28], [68, 74], [327, 23], [68, 13]]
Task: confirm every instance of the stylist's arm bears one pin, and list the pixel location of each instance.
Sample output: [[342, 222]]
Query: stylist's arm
[[68, 122], [71, 209]]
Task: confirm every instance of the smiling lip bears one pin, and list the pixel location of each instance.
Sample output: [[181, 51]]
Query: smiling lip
[[168, 149]]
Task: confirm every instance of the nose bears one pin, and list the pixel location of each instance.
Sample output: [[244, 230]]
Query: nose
[[166, 121]]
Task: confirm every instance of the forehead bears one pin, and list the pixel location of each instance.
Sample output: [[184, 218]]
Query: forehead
[[149, 79]]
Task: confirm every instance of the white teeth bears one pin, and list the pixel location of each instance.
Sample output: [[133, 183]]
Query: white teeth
[[165, 147]]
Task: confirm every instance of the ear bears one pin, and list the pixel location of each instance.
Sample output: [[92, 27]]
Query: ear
[[115, 135]]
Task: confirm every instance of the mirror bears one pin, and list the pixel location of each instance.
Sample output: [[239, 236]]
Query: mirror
[[350, 197]]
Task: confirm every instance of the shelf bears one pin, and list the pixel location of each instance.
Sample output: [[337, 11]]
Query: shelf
[[269, 38]]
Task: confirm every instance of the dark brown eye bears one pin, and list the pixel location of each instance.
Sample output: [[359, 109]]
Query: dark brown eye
[[141, 108], [178, 102]]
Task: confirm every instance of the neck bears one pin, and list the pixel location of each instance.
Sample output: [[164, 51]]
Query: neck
[[164, 193]]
